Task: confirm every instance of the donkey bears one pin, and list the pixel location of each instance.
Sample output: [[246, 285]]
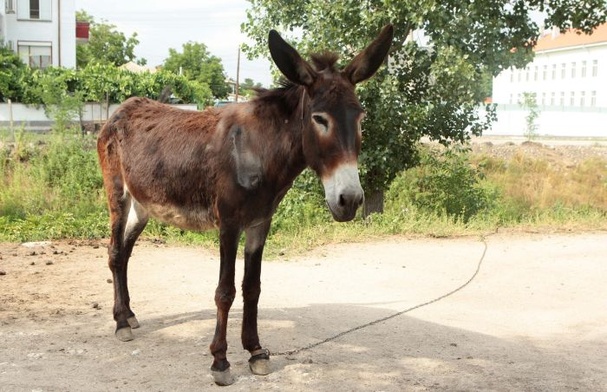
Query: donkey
[[229, 168]]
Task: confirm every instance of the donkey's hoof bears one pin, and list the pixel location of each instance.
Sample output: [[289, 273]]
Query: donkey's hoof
[[259, 363], [261, 367], [124, 334], [133, 322], [223, 378]]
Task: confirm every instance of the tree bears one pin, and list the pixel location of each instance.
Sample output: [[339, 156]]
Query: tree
[[247, 88], [12, 74], [106, 45], [195, 62], [433, 84]]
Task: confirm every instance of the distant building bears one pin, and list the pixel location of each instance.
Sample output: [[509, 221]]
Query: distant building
[[568, 78], [42, 32]]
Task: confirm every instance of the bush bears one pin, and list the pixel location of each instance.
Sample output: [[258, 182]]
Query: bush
[[445, 183], [53, 86], [51, 188]]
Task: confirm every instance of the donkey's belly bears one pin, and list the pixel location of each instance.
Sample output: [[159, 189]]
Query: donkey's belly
[[190, 219]]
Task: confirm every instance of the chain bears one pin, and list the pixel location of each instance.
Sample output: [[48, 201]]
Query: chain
[[381, 320]]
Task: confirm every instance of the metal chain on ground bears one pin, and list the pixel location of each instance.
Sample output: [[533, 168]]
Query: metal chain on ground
[[381, 320]]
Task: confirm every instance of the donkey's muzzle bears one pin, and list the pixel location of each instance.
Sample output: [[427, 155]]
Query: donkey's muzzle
[[343, 192]]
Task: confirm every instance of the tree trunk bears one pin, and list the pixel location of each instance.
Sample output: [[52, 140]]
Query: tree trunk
[[374, 202]]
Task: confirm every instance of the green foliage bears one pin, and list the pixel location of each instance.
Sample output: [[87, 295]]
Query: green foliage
[[106, 45], [196, 63], [51, 188], [445, 184], [58, 90], [63, 91], [302, 207], [429, 89], [13, 73]]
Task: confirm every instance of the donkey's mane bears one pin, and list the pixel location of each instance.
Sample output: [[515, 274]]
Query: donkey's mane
[[286, 97], [324, 61]]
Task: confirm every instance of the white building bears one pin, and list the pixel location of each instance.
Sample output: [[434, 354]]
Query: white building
[[42, 32], [568, 77]]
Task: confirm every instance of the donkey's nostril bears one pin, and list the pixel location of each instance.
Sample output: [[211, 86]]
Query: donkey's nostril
[[342, 201]]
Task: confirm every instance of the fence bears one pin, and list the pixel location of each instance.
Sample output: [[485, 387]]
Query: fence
[[33, 118], [557, 121]]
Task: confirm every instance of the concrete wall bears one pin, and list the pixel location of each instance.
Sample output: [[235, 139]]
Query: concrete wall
[[35, 119], [552, 121]]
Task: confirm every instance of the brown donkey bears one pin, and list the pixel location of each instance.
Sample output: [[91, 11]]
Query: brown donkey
[[229, 169]]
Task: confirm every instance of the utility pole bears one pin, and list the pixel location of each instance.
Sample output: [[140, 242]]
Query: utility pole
[[237, 75]]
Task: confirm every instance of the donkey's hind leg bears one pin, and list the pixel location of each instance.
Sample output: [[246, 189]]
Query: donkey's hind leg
[[125, 231]]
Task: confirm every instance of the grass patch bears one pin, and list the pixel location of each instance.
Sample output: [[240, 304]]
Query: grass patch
[[52, 189]]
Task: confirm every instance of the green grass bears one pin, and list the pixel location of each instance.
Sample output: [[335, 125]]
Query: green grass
[[51, 188]]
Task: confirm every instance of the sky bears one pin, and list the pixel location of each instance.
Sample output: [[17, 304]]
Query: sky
[[162, 24]]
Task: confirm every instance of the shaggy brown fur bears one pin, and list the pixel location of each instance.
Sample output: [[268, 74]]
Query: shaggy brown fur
[[229, 168]]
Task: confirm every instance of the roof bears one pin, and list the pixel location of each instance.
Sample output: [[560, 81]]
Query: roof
[[571, 38], [136, 68]]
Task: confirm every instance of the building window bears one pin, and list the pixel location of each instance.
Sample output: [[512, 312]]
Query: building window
[[553, 71], [527, 71], [543, 99], [535, 72], [572, 99], [34, 10], [511, 75], [562, 100], [545, 72], [519, 74], [583, 70], [552, 98], [595, 68], [36, 54], [563, 70], [572, 69], [593, 98], [582, 98], [510, 99]]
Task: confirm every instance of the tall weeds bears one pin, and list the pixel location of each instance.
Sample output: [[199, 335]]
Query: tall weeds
[[52, 188]]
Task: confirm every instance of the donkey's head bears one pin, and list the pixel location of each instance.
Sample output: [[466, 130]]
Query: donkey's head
[[332, 115]]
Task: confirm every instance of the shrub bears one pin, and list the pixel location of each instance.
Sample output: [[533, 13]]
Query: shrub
[[445, 183]]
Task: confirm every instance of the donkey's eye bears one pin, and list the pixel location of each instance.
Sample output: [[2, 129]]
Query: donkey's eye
[[321, 121]]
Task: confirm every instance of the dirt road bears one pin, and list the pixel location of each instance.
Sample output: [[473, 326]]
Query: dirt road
[[533, 319]]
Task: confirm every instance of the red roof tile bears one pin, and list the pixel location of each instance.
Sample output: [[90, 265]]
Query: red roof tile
[[571, 38]]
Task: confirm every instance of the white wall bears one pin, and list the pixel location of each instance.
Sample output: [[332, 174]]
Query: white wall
[[33, 118], [587, 122]]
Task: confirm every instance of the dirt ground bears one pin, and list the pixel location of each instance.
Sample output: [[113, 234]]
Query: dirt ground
[[532, 319]]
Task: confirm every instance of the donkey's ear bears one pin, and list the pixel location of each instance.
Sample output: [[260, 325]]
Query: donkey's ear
[[289, 62], [367, 62]]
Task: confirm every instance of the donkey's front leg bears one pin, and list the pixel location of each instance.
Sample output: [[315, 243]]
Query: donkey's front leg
[[251, 289], [224, 296]]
